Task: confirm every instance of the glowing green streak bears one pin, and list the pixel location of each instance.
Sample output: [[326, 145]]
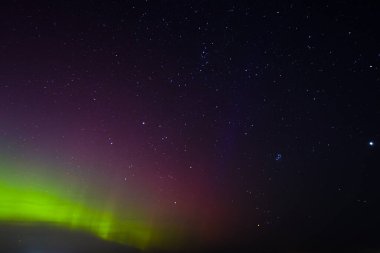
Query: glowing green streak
[[25, 198]]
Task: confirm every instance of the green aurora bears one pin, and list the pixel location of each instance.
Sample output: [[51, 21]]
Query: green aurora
[[27, 197]]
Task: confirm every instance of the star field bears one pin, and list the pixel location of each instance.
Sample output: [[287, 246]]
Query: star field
[[192, 125]]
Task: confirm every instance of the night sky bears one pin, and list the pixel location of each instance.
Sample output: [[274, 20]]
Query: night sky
[[173, 126]]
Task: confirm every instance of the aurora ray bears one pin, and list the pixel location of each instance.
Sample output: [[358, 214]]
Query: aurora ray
[[25, 197]]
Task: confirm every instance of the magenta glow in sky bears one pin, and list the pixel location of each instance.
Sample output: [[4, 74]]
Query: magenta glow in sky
[[224, 126]]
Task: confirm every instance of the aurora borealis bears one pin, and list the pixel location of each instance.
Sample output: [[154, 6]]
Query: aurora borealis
[[27, 198], [30, 194], [189, 126]]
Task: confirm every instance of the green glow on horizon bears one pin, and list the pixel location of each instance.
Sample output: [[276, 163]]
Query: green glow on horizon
[[25, 197]]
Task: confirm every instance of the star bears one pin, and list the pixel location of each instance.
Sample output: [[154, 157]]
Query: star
[[371, 143]]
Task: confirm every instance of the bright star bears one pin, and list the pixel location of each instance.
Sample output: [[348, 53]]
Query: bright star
[[371, 143]]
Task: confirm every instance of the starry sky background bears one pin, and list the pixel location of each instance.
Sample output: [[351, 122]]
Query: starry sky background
[[243, 125]]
